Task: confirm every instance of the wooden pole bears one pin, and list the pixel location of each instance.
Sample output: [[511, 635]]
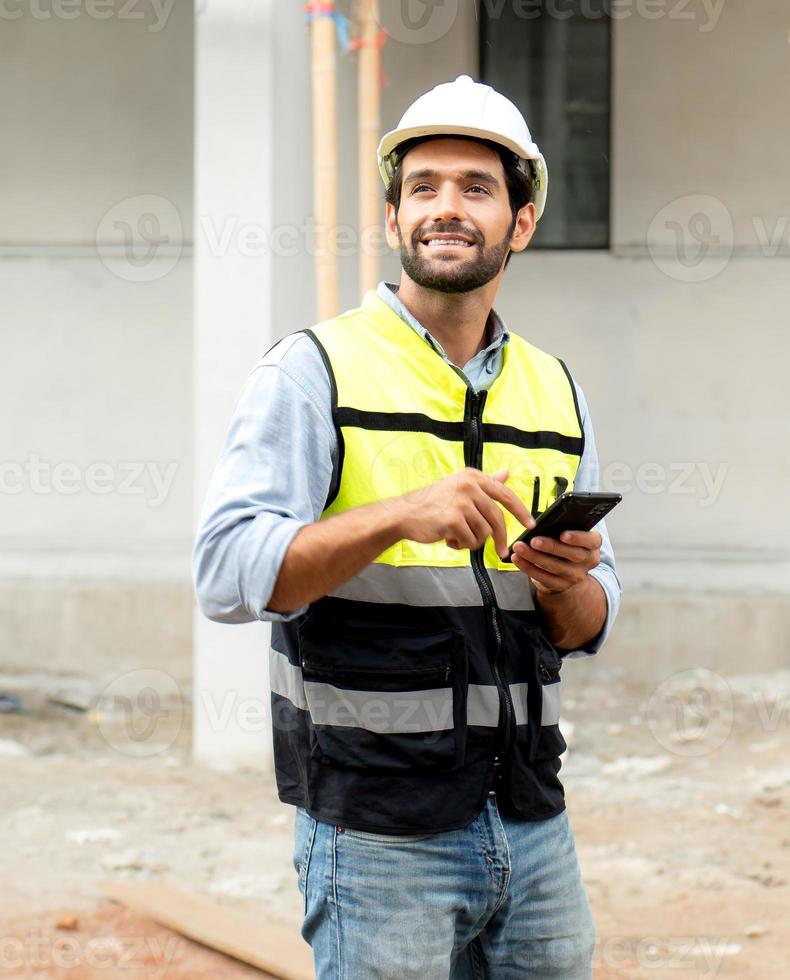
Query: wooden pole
[[368, 108], [323, 74]]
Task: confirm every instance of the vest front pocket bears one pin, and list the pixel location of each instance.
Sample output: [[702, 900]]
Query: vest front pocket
[[385, 699]]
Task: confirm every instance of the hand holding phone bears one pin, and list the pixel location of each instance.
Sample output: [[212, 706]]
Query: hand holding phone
[[574, 511]]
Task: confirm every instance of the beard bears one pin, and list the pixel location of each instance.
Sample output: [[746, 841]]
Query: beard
[[453, 275]]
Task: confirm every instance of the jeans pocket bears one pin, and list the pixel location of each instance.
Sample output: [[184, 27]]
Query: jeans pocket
[[385, 698], [385, 838]]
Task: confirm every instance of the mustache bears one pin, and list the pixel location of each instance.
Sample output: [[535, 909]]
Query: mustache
[[447, 229]]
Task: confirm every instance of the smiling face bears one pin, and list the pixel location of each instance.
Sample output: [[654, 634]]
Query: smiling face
[[454, 225]]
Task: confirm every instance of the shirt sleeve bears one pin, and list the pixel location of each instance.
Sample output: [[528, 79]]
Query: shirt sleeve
[[272, 478], [587, 478]]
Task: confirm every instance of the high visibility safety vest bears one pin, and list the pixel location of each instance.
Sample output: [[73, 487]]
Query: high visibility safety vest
[[425, 682]]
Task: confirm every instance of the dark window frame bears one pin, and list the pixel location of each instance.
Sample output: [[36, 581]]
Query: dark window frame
[[566, 241]]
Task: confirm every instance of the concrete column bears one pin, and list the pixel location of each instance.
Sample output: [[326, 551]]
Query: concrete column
[[233, 326]]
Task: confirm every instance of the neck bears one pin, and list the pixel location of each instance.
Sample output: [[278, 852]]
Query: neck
[[457, 320]]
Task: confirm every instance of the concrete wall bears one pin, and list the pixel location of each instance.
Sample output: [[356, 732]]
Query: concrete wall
[[101, 110], [95, 377], [699, 104]]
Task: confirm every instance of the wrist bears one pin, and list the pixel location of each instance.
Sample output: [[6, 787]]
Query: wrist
[[392, 519], [573, 592]]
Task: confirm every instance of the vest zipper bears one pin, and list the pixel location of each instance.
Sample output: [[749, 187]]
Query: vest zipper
[[549, 674], [473, 456]]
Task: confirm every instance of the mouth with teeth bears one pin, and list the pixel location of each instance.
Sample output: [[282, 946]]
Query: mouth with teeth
[[449, 241]]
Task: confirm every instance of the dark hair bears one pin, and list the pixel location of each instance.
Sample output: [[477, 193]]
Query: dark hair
[[519, 183]]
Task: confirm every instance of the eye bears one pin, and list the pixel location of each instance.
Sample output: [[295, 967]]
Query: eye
[[478, 187], [420, 187]]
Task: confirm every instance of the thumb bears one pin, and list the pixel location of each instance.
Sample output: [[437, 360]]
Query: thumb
[[501, 475]]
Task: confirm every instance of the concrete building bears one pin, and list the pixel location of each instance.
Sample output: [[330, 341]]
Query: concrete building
[[130, 318]]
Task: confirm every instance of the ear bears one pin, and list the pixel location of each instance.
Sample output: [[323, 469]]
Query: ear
[[391, 227], [524, 228]]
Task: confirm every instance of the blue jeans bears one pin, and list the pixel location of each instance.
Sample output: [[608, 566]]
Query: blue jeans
[[499, 899]]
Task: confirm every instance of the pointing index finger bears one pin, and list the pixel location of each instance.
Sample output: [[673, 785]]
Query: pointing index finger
[[506, 497]]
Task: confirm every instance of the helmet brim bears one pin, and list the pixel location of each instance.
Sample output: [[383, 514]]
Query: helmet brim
[[392, 140]]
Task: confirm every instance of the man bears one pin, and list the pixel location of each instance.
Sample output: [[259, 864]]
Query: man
[[376, 470]]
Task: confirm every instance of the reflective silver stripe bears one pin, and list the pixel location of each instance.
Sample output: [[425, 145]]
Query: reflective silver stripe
[[286, 680], [384, 712], [518, 695], [513, 589], [551, 703], [413, 585], [433, 708], [482, 705], [429, 585]]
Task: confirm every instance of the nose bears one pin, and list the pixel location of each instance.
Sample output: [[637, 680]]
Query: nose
[[448, 205]]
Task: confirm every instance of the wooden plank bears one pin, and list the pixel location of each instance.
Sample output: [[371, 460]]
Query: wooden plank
[[267, 946]]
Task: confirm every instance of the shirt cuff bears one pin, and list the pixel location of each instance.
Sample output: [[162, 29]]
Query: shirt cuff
[[272, 538]]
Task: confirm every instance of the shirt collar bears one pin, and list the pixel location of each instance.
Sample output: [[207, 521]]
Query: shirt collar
[[388, 292]]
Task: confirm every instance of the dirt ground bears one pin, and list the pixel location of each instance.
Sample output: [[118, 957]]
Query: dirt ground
[[678, 794]]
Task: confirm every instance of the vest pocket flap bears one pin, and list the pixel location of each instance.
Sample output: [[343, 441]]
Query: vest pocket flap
[[370, 710], [391, 649]]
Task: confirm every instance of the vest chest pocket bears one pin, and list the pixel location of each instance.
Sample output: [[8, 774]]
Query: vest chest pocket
[[385, 698]]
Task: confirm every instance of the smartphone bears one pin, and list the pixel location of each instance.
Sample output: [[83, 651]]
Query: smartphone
[[574, 511]]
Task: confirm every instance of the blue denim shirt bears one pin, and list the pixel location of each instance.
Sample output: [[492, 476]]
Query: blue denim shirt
[[482, 369], [275, 470]]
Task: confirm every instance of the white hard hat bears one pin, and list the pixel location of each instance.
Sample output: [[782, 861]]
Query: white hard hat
[[467, 108]]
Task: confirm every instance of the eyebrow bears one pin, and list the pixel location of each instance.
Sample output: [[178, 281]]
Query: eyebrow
[[482, 175]]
